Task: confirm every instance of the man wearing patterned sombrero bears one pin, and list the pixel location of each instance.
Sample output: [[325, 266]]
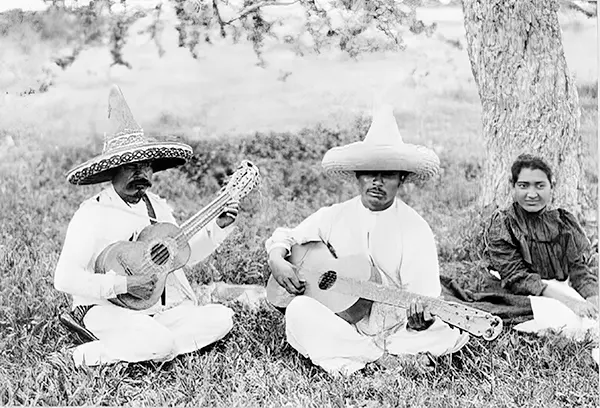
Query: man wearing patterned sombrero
[[176, 324], [399, 243]]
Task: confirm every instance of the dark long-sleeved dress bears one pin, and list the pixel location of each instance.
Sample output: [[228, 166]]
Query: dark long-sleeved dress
[[527, 247]]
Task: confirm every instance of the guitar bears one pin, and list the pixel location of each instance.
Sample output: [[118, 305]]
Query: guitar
[[163, 247], [348, 285]]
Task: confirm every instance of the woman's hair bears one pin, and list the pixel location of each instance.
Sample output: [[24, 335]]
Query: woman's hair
[[529, 161]]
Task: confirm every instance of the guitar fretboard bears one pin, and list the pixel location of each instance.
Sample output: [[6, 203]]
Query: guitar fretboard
[[202, 217], [458, 315]]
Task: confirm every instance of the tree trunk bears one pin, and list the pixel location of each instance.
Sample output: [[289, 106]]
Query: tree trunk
[[529, 100]]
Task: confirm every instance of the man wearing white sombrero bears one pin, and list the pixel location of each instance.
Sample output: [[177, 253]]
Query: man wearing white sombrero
[[176, 324], [399, 242]]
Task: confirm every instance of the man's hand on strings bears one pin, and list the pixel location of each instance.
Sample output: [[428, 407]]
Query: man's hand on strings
[[229, 214], [285, 273], [418, 316], [141, 286]]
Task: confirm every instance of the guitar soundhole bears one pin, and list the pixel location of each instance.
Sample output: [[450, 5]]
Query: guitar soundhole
[[327, 280], [159, 254]]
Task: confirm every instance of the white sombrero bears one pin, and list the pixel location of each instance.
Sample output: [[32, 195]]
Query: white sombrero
[[382, 149], [127, 145]]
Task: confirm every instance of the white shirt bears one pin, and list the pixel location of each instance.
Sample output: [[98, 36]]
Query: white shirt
[[106, 218], [399, 241]]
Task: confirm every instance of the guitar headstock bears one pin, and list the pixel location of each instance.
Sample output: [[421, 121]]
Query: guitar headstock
[[243, 180], [474, 321]]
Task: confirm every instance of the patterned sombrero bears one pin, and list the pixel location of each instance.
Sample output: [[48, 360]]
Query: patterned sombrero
[[382, 149], [127, 145]]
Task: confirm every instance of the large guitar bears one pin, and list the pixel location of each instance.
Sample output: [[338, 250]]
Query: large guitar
[[163, 247], [348, 285]]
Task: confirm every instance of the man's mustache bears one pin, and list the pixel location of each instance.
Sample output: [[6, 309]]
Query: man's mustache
[[140, 182], [375, 190]]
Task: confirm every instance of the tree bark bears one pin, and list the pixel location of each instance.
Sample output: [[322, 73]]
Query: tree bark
[[529, 99]]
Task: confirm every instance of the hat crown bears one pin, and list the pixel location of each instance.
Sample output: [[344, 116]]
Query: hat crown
[[127, 144], [384, 128], [381, 150], [126, 131]]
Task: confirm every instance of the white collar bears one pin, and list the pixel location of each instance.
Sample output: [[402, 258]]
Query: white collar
[[391, 209], [115, 197], [109, 198]]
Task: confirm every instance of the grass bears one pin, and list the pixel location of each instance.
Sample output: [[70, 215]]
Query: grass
[[245, 112], [253, 365]]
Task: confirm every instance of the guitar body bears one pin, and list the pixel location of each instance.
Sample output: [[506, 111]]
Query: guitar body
[[163, 247], [155, 251], [313, 259], [349, 286]]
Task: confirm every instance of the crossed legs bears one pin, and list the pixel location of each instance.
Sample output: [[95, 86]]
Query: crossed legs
[[127, 335], [336, 346]]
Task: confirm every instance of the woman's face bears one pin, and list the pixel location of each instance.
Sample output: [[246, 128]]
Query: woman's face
[[532, 190]]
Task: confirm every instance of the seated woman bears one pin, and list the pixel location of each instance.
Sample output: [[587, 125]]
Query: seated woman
[[543, 252]]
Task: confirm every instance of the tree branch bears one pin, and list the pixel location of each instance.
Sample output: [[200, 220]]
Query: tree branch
[[219, 19], [257, 6], [576, 5]]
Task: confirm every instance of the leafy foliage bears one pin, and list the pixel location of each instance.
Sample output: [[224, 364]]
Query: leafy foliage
[[351, 26], [272, 153]]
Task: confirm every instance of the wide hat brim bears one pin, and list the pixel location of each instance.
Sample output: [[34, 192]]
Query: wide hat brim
[[163, 155], [343, 162]]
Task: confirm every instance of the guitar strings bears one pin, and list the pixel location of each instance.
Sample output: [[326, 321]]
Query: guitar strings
[[163, 253], [462, 319], [202, 218], [202, 211]]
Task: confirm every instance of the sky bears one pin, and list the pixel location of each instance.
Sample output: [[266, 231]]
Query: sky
[[34, 5], [6, 5], [22, 4]]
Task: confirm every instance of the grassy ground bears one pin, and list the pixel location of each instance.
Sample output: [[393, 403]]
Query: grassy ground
[[226, 96]]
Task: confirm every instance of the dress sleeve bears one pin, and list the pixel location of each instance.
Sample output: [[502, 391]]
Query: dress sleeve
[[307, 231], [505, 257], [581, 276], [74, 273]]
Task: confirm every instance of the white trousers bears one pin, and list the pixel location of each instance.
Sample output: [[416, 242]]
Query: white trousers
[[549, 313], [128, 335], [337, 347]]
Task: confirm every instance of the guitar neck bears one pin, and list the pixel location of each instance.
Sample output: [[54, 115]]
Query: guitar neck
[[384, 294], [474, 321], [199, 220], [242, 181]]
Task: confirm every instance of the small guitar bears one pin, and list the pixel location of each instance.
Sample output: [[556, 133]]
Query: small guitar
[[347, 284], [163, 247]]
